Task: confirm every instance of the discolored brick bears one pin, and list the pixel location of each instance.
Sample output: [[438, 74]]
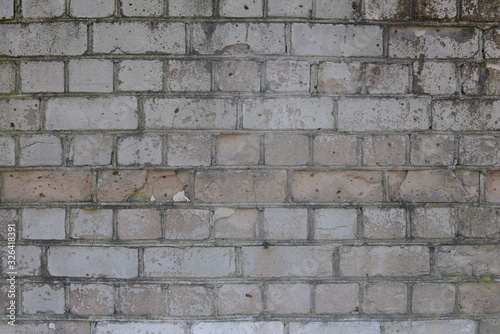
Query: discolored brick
[[19, 114], [483, 297], [385, 298], [384, 150], [337, 298], [481, 78], [141, 299], [387, 78], [235, 223], [433, 298], [492, 188], [91, 224], [187, 224], [286, 150], [432, 150], [434, 78], [91, 299], [189, 75], [333, 224], [287, 76], [468, 260], [432, 223], [136, 224], [189, 150], [339, 78], [335, 150], [288, 298], [189, 300], [239, 299], [42, 298], [384, 223], [238, 150], [140, 150]]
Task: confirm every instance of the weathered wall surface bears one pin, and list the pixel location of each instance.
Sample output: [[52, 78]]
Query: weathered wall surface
[[341, 159]]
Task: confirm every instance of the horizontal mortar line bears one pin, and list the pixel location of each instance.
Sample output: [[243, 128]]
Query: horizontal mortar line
[[135, 132], [244, 95], [443, 242], [268, 19], [247, 57]]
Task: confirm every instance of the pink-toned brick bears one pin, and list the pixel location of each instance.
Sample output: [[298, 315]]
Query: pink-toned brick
[[186, 224], [237, 150], [192, 300], [142, 299], [136, 224], [335, 150], [337, 298], [91, 299]]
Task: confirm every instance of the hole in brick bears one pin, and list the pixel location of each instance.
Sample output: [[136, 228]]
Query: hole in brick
[[248, 295], [246, 7]]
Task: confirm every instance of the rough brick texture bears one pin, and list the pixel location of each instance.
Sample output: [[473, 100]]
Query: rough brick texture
[[250, 166]]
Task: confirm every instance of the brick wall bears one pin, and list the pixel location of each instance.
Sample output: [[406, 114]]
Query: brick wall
[[250, 166]]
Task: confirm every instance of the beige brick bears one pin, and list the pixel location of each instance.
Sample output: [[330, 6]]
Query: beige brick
[[90, 75], [479, 150], [434, 78], [294, 8], [431, 326], [432, 42], [43, 8], [243, 76], [238, 150], [189, 300], [384, 261], [57, 38], [385, 298], [434, 186], [141, 299], [139, 37], [480, 297], [383, 114], [189, 75], [91, 8], [187, 224], [190, 8], [19, 114], [136, 224], [293, 113], [287, 76], [46, 186], [240, 186], [479, 222], [8, 149], [189, 262], [140, 185], [239, 299], [433, 298], [490, 326], [80, 113], [332, 224], [235, 8], [28, 261], [337, 186], [36, 327], [387, 9], [91, 224], [432, 223], [235, 223], [288, 298], [387, 78], [142, 8], [337, 298], [40, 150], [384, 223], [140, 75], [284, 223], [41, 298], [491, 42], [468, 260], [240, 327], [238, 38], [186, 113], [44, 224], [286, 150], [481, 78], [42, 76], [344, 40], [189, 150], [283, 261], [91, 299], [334, 327], [7, 10], [432, 150], [335, 150], [480, 10], [91, 150], [442, 9], [103, 327], [7, 77], [384, 150], [140, 150], [339, 78], [81, 261], [467, 115]]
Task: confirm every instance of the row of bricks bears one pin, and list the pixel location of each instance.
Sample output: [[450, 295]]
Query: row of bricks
[[445, 326], [478, 10], [94, 75], [61, 38], [253, 299], [251, 186], [251, 224], [349, 114], [259, 262], [183, 149]]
